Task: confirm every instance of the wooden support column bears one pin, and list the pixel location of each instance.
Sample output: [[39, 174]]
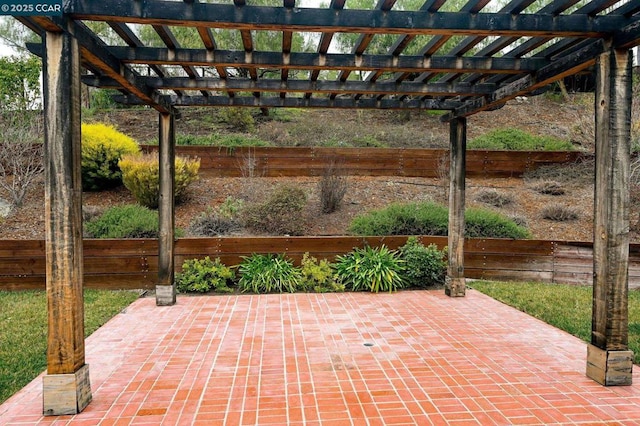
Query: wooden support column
[[165, 288], [455, 283], [66, 387], [609, 360]]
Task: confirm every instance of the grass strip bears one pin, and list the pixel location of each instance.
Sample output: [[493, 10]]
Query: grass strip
[[23, 331], [566, 307]]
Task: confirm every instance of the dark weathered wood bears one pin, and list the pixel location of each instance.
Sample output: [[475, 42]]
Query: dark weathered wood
[[329, 61], [609, 327], [333, 20], [63, 225], [297, 86], [455, 283], [611, 201], [165, 288], [277, 102]]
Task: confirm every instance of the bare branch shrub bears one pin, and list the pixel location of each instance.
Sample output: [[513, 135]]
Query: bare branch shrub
[[549, 187], [494, 198], [333, 187], [559, 213], [251, 171], [21, 154]]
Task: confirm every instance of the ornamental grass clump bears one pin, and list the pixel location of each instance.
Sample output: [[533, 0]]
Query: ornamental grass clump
[[371, 269], [102, 148], [204, 275], [268, 273], [424, 266], [141, 176]]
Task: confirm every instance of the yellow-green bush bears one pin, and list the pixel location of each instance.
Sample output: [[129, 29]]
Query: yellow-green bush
[[102, 148], [141, 176]]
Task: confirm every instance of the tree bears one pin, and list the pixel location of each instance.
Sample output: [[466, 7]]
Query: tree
[[19, 83]]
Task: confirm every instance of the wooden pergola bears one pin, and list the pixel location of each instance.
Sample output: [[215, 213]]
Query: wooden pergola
[[462, 60]]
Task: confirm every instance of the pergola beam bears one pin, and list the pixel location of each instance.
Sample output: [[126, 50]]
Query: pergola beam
[[329, 61], [296, 86], [560, 68], [95, 52], [290, 102], [155, 12]]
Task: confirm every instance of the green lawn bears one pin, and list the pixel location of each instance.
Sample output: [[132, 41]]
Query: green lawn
[[563, 306], [23, 331]]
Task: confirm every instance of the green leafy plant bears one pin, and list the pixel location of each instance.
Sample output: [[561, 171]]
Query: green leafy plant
[[129, 221], [318, 275], [141, 176], [204, 275], [430, 218], [281, 214], [371, 269], [225, 140], [102, 148], [483, 223], [517, 140], [268, 273], [238, 118], [424, 266], [403, 219]]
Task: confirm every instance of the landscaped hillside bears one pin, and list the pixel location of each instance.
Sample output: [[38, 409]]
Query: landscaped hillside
[[568, 190]]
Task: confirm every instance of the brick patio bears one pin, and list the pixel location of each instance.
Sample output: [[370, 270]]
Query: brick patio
[[414, 357]]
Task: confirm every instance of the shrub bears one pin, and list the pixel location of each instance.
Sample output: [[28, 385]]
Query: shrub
[[485, 223], [333, 187], [213, 223], [517, 140], [549, 188], [141, 176], [494, 198], [102, 148], [424, 266], [268, 273], [203, 275], [559, 213], [430, 218], [229, 141], [403, 219], [318, 275], [129, 221], [238, 118], [280, 214], [370, 269]]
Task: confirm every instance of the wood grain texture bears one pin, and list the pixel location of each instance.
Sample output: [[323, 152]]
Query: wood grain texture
[[63, 205]]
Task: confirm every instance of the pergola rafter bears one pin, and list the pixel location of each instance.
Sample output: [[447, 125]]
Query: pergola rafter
[[463, 60]]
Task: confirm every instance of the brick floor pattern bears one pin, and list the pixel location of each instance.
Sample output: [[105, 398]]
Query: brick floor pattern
[[407, 358]]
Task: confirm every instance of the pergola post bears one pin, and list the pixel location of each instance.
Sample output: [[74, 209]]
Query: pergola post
[[165, 287], [455, 283], [66, 387], [609, 360]]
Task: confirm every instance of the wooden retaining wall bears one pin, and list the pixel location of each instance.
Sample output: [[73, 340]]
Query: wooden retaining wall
[[305, 161], [133, 263]]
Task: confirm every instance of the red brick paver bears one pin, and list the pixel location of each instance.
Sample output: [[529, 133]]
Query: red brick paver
[[416, 357]]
